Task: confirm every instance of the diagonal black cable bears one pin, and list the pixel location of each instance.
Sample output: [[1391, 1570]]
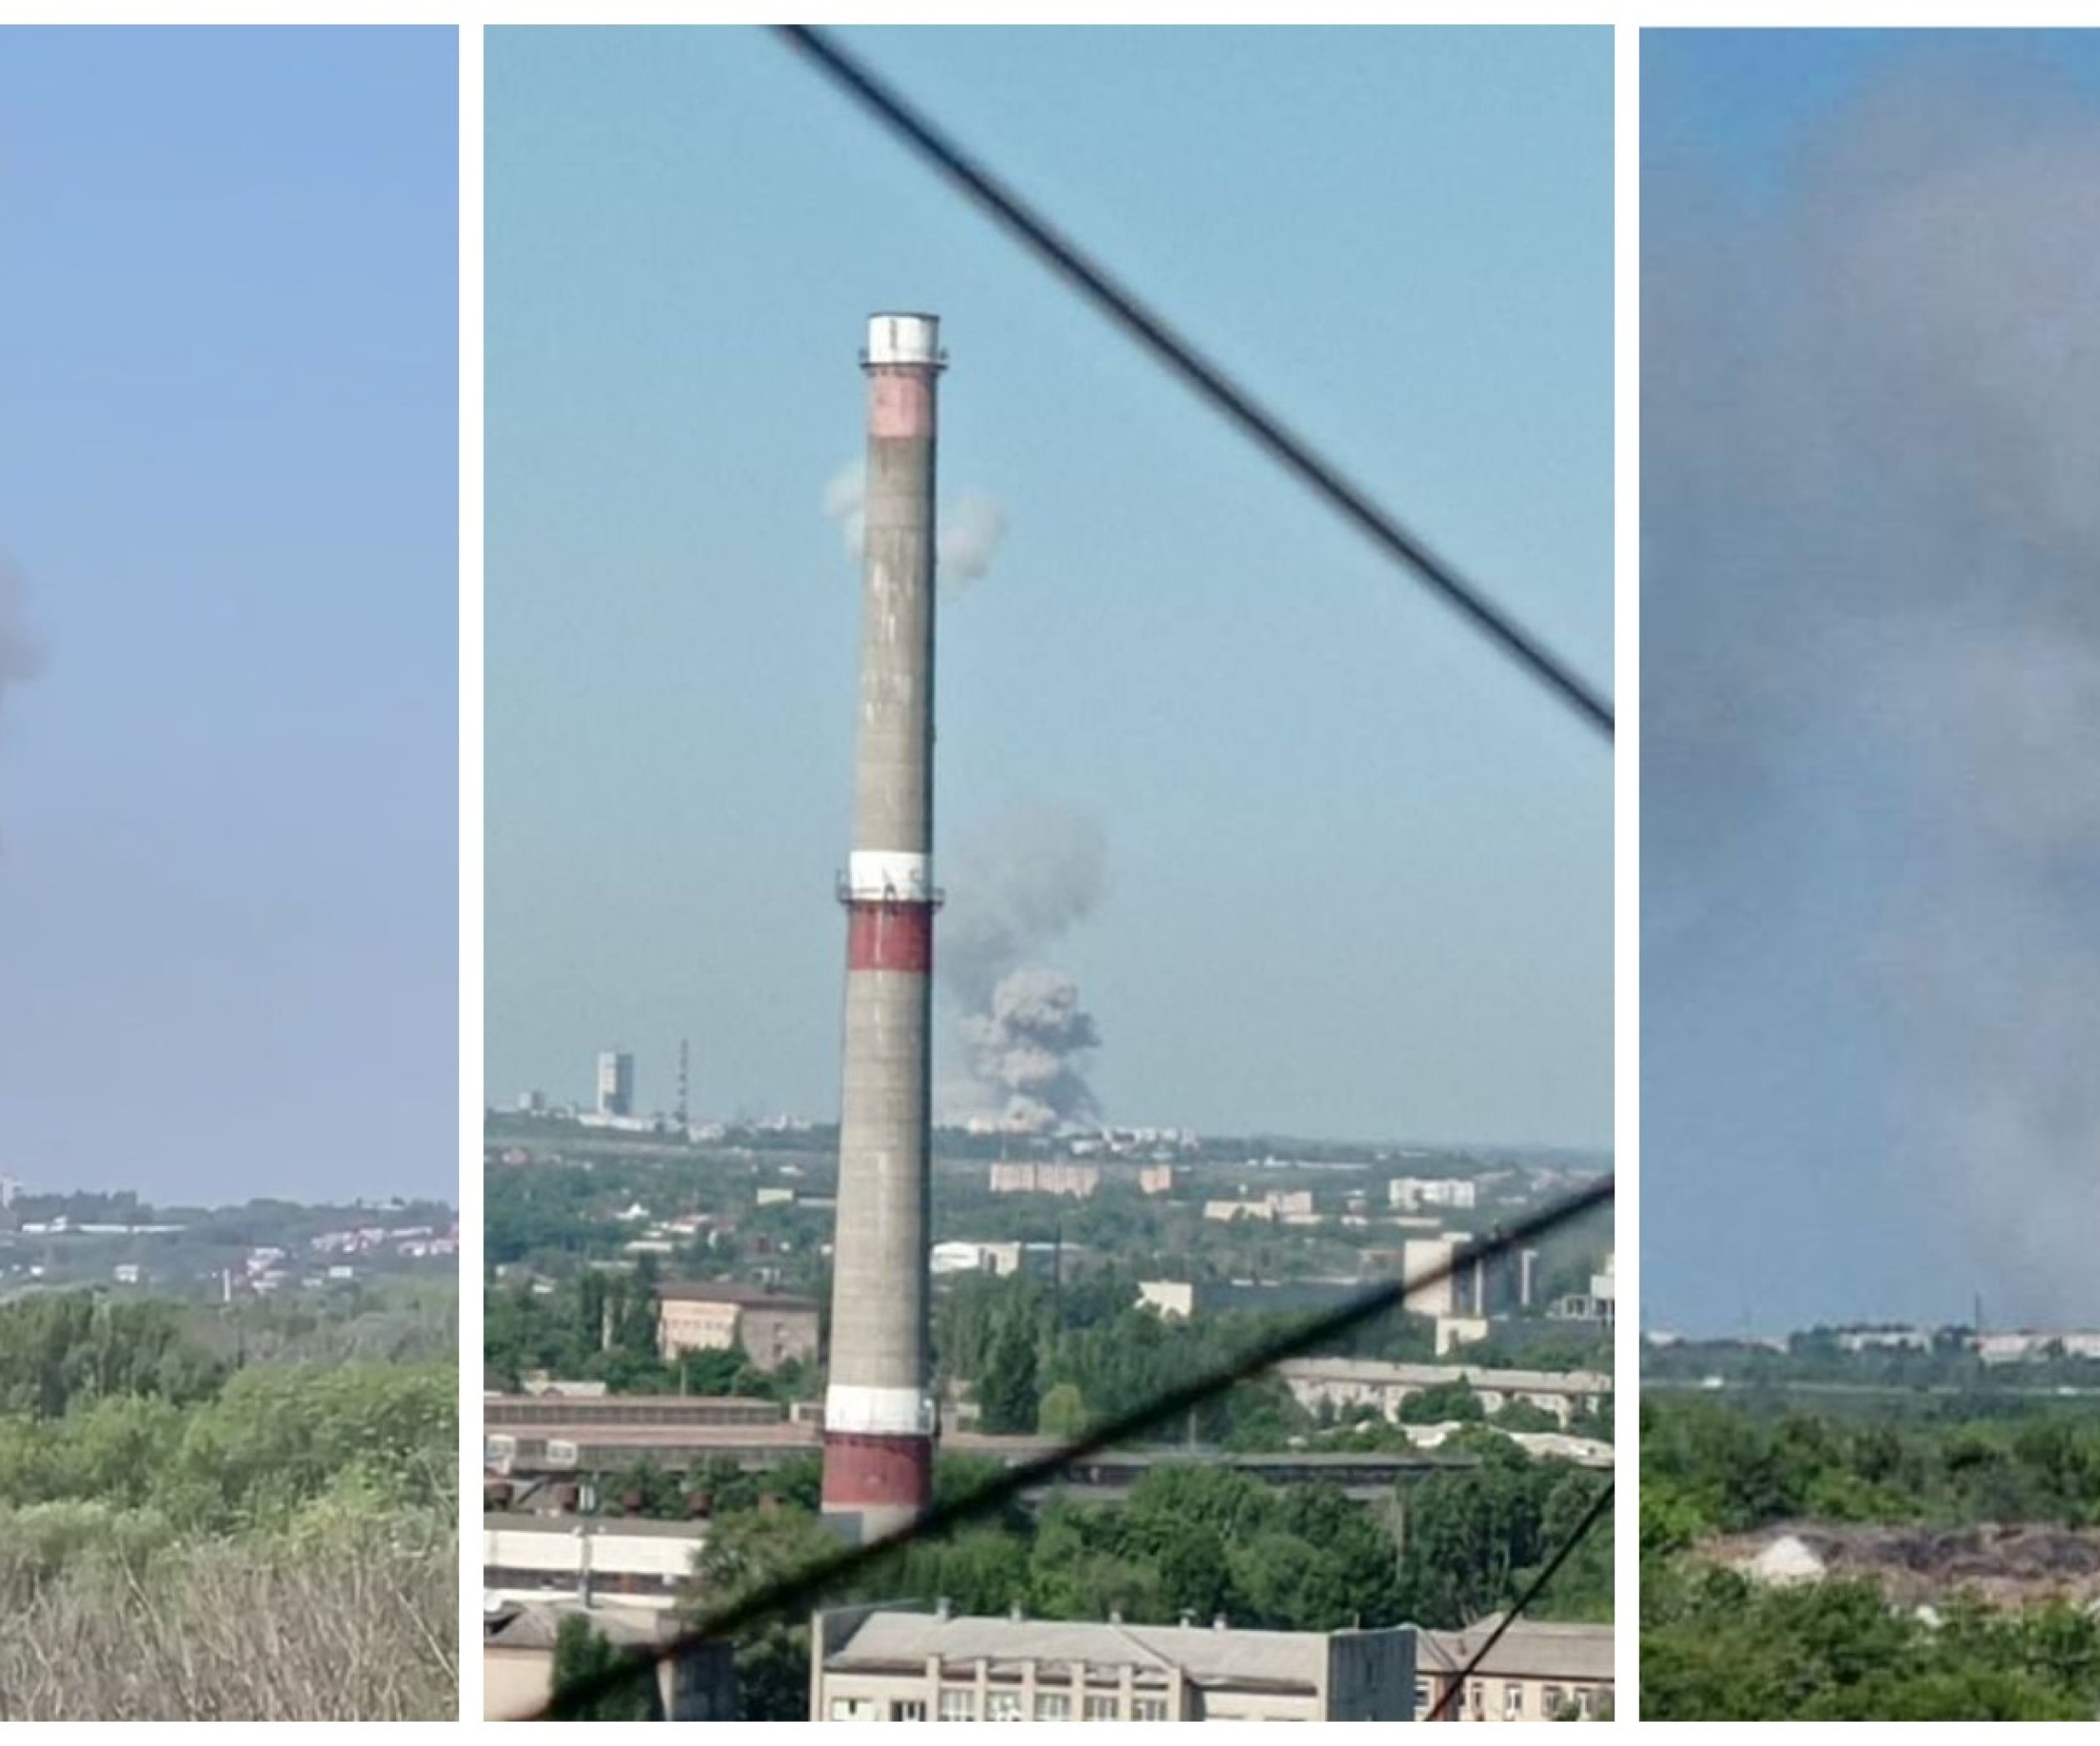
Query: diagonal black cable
[[1206, 378], [795, 1593], [1599, 1505]]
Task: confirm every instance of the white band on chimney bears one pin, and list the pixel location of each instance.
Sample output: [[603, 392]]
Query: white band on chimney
[[901, 877], [904, 340], [878, 1411]]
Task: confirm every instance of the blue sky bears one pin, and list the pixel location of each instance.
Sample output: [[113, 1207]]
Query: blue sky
[[228, 802], [1358, 871], [1744, 109], [1870, 348]]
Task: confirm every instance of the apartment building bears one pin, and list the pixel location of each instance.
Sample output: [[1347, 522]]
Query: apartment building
[[703, 1316]]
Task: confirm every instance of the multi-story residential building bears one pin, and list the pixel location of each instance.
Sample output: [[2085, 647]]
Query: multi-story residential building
[[1081, 1182], [710, 1314], [615, 1083]]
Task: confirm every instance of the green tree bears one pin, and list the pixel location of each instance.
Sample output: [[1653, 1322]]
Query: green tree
[[1062, 1412], [743, 1555], [582, 1657], [1007, 1392], [1442, 1403]]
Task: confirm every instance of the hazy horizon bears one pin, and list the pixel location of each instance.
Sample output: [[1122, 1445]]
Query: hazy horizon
[[228, 473]]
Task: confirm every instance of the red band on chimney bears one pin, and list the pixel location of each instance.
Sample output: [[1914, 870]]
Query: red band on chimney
[[901, 403], [889, 1472], [890, 937]]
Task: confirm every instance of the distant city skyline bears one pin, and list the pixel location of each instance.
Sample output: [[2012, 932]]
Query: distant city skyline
[[1324, 864], [228, 474], [581, 1099]]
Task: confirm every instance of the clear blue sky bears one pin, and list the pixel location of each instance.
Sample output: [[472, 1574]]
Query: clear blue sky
[[1871, 342], [1359, 871], [228, 877]]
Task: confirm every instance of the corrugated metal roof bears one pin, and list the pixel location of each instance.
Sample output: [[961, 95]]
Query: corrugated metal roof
[[1269, 1659], [1531, 1648], [536, 1626]]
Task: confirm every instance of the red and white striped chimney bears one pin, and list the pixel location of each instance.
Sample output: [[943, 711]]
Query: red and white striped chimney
[[878, 1410]]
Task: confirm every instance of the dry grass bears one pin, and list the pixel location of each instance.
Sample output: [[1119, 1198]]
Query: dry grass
[[237, 1631]]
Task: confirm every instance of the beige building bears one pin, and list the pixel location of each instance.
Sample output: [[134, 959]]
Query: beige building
[[534, 1559], [868, 1664], [1162, 1178], [1081, 1182], [711, 1315], [1535, 1673], [1432, 1260]]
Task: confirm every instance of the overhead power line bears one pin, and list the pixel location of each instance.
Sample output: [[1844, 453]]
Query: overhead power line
[[1208, 379], [800, 1591], [1532, 1590]]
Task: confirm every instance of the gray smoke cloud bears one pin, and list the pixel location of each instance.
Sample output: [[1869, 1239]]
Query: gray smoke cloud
[[1028, 1045], [21, 653], [1871, 637], [966, 539], [1017, 887]]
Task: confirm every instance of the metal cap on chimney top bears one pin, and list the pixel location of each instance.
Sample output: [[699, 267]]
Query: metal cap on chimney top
[[904, 339]]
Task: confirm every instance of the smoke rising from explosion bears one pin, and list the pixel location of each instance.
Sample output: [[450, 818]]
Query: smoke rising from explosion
[[967, 537], [1028, 1044], [1871, 626], [1019, 885], [21, 656]]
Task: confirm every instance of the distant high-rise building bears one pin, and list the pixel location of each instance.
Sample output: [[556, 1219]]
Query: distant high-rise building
[[615, 1083]]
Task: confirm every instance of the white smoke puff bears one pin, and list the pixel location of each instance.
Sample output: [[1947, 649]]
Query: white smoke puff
[[845, 503], [966, 540], [968, 537]]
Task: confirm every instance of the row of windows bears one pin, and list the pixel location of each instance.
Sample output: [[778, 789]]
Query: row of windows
[[1555, 1701], [960, 1704]]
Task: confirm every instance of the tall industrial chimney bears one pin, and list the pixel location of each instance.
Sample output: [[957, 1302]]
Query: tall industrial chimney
[[878, 1412]]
